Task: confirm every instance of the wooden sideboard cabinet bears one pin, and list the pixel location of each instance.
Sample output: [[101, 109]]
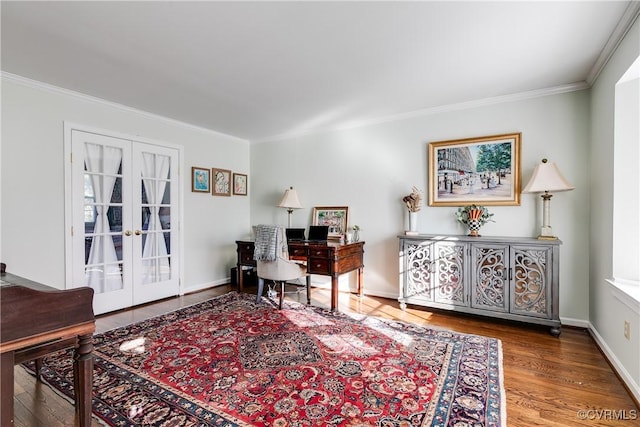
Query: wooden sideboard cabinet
[[508, 278]]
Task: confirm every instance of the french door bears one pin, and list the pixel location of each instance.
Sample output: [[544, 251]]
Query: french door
[[125, 219]]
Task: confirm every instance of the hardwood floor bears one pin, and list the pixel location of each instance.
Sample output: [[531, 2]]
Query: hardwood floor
[[547, 380]]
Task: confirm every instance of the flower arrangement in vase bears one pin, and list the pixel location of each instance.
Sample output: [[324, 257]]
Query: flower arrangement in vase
[[356, 233], [414, 204], [474, 217]]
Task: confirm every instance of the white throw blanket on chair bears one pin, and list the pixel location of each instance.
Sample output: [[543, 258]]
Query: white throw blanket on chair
[[270, 242]]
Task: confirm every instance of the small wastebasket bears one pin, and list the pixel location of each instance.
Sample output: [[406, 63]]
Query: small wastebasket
[[250, 278]]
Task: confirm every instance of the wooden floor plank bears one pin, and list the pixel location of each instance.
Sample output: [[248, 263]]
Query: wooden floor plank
[[547, 379]]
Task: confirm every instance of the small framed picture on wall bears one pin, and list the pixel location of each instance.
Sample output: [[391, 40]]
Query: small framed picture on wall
[[220, 182], [239, 184], [200, 180]]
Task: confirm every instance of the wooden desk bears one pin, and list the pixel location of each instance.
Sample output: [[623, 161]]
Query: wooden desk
[[325, 259], [37, 320]]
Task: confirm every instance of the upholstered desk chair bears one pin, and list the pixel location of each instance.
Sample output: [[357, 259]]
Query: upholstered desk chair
[[272, 259]]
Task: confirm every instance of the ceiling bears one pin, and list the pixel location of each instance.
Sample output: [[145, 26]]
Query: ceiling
[[259, 70]]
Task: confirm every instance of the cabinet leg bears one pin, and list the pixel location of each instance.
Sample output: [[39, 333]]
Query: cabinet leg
[[555, 331], [403, 306]]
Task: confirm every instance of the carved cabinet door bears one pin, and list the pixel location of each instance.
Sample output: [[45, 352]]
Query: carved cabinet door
[[417, 270], [449, 273], [490, 278], [532, 280]]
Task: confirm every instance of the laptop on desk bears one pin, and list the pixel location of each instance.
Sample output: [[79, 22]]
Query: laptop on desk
[[318, 233], [295, 234]]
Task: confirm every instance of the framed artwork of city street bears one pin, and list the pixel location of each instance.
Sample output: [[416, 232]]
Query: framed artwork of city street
[[483, 171]]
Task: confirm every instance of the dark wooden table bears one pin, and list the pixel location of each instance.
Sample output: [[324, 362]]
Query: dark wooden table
[[322, 258], [36, 320]]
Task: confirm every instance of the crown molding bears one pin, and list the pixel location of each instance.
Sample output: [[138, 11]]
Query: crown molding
[[627, 20], [572, 87], [24, 81]]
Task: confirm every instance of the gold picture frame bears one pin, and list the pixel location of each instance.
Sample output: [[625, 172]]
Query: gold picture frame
[[483, 171]]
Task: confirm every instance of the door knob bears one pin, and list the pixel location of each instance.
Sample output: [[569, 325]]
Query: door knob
[[138, 232], [127, 233]]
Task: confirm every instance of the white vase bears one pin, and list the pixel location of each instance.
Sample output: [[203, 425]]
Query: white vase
[[413, 221]]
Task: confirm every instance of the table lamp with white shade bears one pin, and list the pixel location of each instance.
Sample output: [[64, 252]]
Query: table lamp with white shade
[[547, 178], [290, 201]]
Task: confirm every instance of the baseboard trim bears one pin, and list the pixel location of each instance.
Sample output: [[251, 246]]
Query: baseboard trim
[[627, 380], [203, 286], [576, 323]]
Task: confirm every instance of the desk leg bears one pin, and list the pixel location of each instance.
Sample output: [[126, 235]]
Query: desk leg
[[83, 379], [334, 292], [6, 378], [308, 289], [239, 278], [360, 276]]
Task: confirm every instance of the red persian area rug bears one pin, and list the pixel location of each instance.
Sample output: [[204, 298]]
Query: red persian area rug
[[231, 361]]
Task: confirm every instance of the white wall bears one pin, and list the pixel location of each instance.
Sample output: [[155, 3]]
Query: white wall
[[370, 168], [607, 310], [32, 175]]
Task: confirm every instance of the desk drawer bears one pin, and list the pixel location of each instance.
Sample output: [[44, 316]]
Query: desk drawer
[[319, 266], [247, 259], [298, 253], [245, 247], [318, 252]]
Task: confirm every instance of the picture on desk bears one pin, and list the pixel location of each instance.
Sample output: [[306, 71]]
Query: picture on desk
[[334, 217]]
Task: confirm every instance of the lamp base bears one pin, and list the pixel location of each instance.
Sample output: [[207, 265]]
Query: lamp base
[[546, 233], [541, 237]]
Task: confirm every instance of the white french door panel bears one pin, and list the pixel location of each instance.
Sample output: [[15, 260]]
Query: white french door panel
[[155, 212], [125, 214], [100, 191]]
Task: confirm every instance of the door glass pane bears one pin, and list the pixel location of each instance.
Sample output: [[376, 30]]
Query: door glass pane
[[116, 197], [117, 243], [114, 218], [88, 240], [165, 217], [167, 242]]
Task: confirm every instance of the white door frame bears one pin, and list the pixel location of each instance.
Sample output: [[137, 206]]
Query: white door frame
[[68, 210]]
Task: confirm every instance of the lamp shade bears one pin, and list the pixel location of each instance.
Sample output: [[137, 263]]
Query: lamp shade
[[290, 200], [547, 177]]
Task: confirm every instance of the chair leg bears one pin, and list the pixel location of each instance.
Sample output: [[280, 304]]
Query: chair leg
[[260, 289], [281, 293]]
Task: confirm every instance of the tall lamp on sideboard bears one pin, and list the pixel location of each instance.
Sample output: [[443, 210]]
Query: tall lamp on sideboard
[[547, 178]]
